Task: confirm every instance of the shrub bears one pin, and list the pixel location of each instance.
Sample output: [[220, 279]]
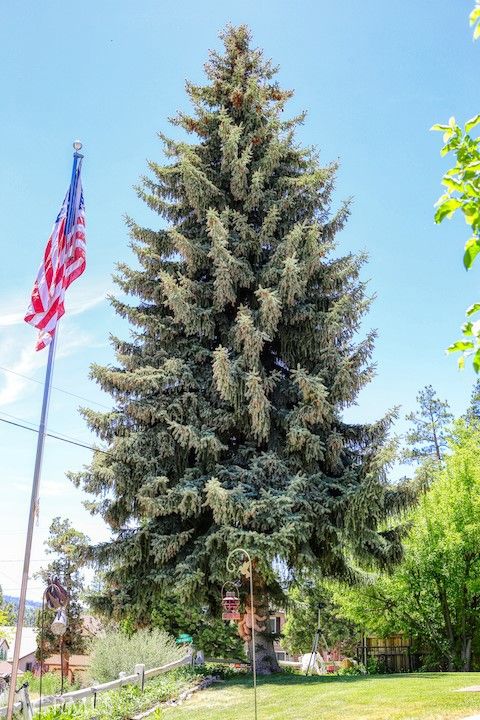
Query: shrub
[[117, 652], [51, 683], [223, 671], [354, 670]]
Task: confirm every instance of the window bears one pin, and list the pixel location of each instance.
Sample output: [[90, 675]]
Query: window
[[281, 655], [275, 625], [28, 666]]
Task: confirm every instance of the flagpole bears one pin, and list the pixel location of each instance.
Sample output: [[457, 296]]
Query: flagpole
[[36, 481]]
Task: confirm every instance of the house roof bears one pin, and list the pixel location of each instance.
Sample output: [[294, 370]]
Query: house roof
[[5, 668], [28, 644]]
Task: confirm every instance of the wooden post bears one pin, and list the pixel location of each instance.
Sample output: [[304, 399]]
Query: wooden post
[[26, 704], [140, 671]]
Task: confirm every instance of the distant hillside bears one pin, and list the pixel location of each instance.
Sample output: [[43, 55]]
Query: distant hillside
[[31, 607], [29, 603]]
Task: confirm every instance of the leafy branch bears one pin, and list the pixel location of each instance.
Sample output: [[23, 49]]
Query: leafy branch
[[462, 193]]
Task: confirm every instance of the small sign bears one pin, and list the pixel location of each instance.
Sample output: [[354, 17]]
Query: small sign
[[231, 616], [184, 639]]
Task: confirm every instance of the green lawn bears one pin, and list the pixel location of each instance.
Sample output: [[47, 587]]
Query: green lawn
[[426, 696]]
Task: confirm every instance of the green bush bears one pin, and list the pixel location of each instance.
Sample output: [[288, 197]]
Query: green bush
[[69, 712], [51, 683], [354, 670], [211, 634], [116, 652], [223, 671]]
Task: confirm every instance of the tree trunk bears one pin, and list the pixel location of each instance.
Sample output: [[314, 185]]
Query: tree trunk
[[466, 654], [266, 660]]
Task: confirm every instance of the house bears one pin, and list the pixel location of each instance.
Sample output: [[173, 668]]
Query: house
[[77, 666], [276, 622], [28, 646]]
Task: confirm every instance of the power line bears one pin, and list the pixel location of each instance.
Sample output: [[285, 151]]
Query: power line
[[56, 436], [65, 392], [36, 427]]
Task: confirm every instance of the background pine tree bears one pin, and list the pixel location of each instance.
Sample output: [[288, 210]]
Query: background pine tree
[[67, 545], [227, 428], [427, 437]]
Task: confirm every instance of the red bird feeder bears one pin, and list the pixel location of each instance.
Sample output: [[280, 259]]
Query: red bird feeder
[[230, 605]]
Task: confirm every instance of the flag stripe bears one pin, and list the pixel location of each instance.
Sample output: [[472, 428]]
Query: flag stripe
[[64, 261]]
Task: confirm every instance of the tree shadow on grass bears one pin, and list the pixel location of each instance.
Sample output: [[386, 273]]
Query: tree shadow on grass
[[295, 680]]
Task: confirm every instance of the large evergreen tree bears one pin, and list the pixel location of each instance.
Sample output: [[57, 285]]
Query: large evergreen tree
[[227, 428]]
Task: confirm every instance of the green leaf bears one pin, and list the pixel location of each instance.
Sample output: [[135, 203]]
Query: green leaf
[[473, 309], [470, 190], [475, 166], [446, 209], [472, 248], [476, 361], [453, 171], [470, 210], [439, 128], [460, 346], [476, 35], [472, 123], [461, 362], [452, 184], [467, 329], [442, 199], [452, 122], [474, 15]]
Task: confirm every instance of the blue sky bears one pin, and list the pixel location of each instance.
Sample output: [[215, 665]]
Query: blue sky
[[374, 76]]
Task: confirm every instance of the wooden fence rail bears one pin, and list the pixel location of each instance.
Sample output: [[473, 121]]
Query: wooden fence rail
[[137, 678]]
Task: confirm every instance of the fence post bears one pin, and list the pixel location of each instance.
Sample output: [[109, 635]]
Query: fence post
[[26, 704], [140, 671], [200, 657]]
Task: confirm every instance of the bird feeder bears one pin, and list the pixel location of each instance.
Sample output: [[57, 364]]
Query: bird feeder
[[230, 605], [59, 625]]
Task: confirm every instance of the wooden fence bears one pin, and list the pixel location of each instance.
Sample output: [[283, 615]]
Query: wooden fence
[[392, 654], [139, 676]]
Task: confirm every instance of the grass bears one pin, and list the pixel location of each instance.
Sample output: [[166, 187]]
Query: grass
[[422, 696]]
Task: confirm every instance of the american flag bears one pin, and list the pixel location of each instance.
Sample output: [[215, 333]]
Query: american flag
[[63, 262]]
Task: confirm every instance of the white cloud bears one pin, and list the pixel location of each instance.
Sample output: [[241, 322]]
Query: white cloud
[[17, 352], [76, 303], [11, 319], [22, 359]]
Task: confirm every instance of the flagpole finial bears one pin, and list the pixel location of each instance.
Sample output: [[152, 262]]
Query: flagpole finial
[[77, 145]]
